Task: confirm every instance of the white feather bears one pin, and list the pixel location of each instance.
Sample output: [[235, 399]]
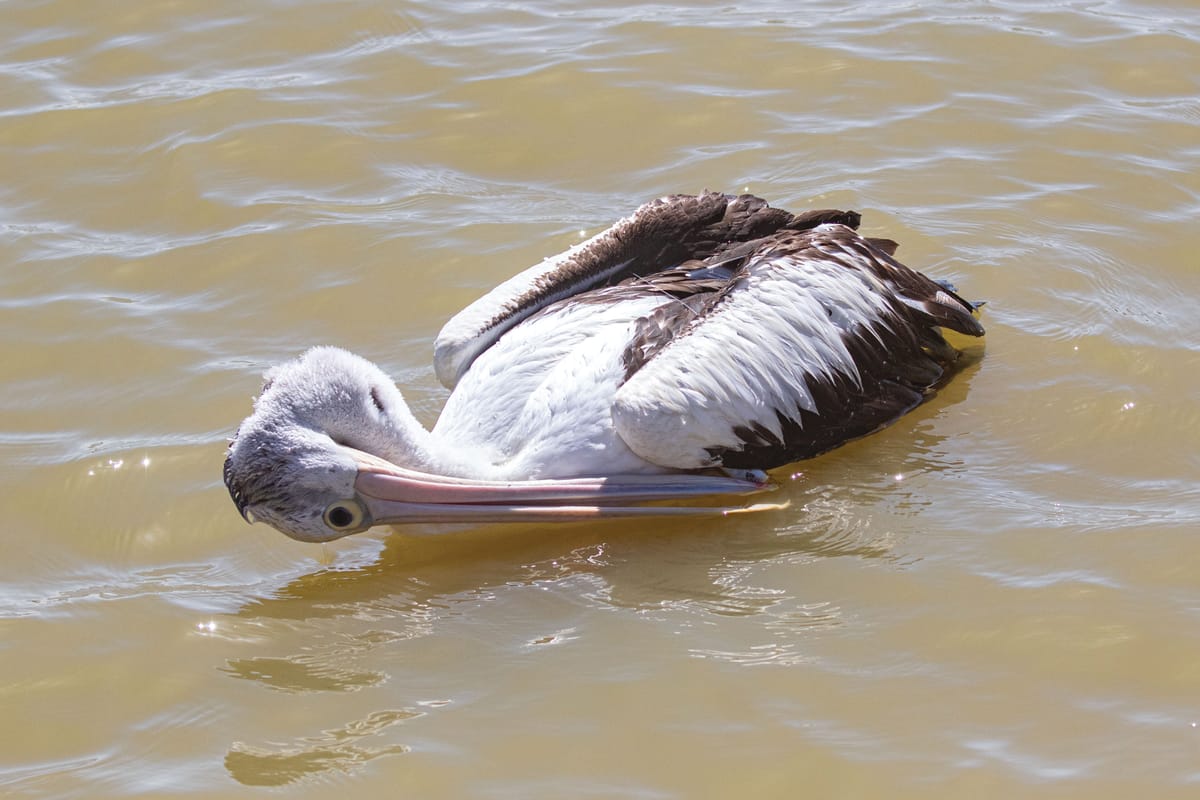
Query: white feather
[[539, 399]]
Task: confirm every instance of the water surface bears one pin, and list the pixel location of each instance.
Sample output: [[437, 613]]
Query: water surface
[[996, 597]]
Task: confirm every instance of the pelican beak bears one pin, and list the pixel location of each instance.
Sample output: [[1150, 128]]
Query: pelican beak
[[396, 495]]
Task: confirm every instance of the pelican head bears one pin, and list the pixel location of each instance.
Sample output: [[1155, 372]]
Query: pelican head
[[319, 420]]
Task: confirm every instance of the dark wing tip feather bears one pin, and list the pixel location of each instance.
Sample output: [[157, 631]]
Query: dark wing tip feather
[[889, 246], [949, 310], [807, 220]]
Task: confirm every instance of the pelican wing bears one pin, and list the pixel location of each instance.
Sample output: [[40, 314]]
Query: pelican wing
[[819, 337], [657, 236]]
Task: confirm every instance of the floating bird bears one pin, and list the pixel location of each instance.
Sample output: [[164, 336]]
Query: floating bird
[[682, 352]]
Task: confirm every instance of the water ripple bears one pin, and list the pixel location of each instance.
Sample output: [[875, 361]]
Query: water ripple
[[195, 190]]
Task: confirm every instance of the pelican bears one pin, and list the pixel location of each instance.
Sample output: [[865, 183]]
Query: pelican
[[682, 352]]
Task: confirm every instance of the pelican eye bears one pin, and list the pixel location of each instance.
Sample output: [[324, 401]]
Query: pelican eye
[[344, 515]]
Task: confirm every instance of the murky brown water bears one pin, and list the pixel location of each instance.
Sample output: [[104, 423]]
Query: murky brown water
[[997, 597]]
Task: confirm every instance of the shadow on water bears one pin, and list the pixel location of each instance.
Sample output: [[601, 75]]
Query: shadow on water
[[333, 751]]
